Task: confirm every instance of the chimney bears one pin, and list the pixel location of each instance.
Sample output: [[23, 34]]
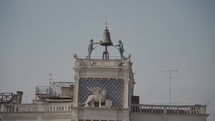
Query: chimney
[[19, 97]]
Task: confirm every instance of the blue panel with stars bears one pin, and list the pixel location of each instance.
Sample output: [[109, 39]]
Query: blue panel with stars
[[113, 88]]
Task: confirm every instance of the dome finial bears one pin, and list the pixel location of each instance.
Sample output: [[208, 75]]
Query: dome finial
[[106, 24]]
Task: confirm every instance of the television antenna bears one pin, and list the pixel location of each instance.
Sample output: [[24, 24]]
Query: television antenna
[[170, 83]]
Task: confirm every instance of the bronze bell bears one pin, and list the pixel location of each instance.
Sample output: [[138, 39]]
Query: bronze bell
[[106, 40]]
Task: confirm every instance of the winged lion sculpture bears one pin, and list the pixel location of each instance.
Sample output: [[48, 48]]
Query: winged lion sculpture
[[99, 95]]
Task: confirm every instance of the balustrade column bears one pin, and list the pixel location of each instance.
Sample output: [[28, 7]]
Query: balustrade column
[[165, 109]]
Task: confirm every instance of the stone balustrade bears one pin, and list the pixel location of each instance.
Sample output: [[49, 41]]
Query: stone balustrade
[[49, 107], [111, 63], [168, 109], [135, 108]]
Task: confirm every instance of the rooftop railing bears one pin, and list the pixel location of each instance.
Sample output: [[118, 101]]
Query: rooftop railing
[[50, 107], [135, 108], [168, 109]]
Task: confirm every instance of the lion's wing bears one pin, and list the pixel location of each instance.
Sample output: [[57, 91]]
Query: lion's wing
[[94, 90]]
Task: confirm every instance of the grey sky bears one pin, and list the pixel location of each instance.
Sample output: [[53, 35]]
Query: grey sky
[[39, 37]]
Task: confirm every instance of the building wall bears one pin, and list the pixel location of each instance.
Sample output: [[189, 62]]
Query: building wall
[[95, 114], [66, 112], [67, 91], [59, 116], [146, 117], [103, 73]]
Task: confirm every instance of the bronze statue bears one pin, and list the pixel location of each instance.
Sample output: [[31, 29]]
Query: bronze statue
[[91, 48], [121, 49]]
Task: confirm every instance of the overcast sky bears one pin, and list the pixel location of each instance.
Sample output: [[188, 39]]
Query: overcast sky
[[39, 37]]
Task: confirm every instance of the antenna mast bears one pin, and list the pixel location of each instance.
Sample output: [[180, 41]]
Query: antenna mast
[[170, 83], [50, 77]]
